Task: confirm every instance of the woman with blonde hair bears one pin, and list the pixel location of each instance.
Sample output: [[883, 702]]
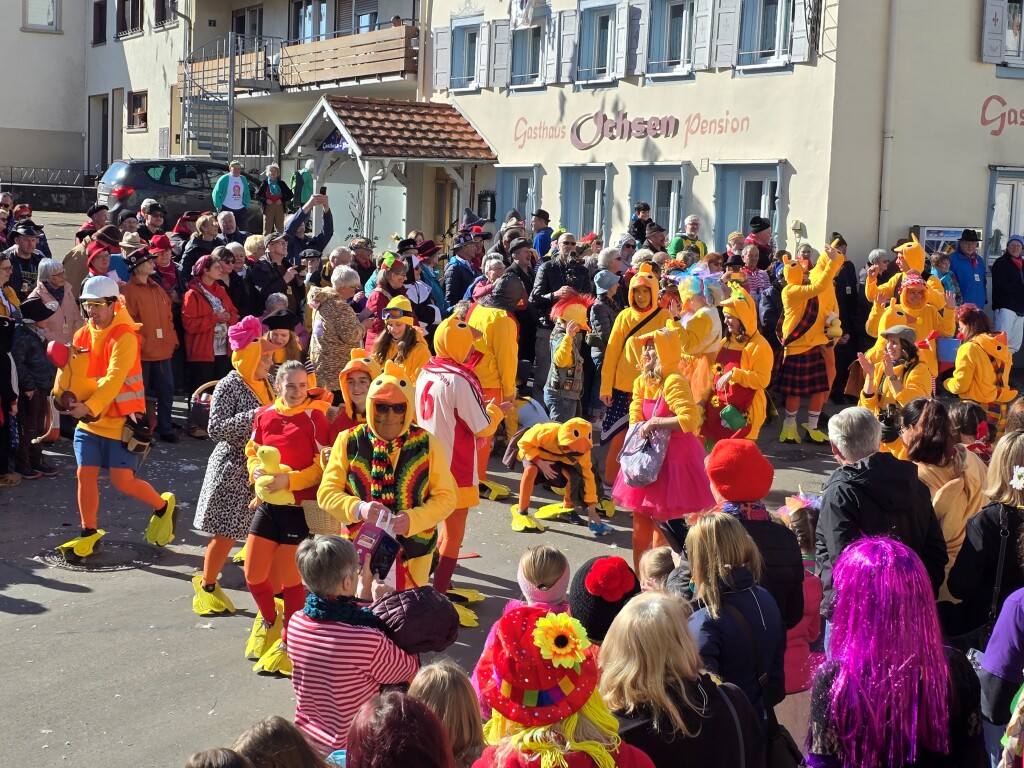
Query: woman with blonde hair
[[402, 340], [445, 688], [734, 614], [975, 575], [540, 680], [652, 678]]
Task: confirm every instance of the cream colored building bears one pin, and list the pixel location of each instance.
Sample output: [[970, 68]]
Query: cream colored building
[[866, 118]]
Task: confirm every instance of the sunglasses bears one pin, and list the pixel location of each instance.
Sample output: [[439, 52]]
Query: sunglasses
[[228, 261], [395, 313], [89, 303], [629, 245], [5, 206], [383, 409]]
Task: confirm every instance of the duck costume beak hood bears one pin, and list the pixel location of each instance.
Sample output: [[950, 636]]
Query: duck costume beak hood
[[399, 310], [913, 253], [793, 271], [668, 346], [576, 436], [741, 306], [573, 308], [644, 278], [359, 362], [453, 339], [390, 386], [247, 347]]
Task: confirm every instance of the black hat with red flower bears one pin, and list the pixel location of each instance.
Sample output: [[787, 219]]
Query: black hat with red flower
[[598, 592]]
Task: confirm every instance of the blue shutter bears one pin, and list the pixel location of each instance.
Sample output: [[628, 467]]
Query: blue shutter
[[726, 31], [569, 199]]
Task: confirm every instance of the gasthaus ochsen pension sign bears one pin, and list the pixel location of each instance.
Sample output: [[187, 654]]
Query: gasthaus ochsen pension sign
[[589, 130]]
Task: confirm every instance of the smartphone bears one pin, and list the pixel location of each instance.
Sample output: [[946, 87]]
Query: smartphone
[[323, 190]]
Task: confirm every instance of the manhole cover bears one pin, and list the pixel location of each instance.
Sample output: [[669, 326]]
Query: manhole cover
[[113, 556]]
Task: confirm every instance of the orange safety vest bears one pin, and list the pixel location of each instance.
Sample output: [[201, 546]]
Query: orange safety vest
[[132, 397]]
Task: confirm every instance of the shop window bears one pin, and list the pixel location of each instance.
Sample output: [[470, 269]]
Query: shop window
[[672, 35], [129, 17], [526, 55], [584, 193], [764, 31], [745, 191], [597, 43], [663, 187], [465, 45], [40, 15], [1001, 33], [138, 109], [517, 188], [99, 22]]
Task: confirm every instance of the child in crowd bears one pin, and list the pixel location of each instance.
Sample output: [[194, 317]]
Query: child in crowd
[[563, 389], [394, 729], [662, 400], [543, 577], [339, 652], [970, 426], [218, 758], [35, 380], [599, 590], [274, 742], [655, 566], [445, 688], [941, 265], [354, 382]]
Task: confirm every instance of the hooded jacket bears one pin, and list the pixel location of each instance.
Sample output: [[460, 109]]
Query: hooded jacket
[[756, 358], [915, 256], [569, 443], [673, 386], [974, 375], [877, 496], [927, 321], [622, 356], [795, 297], [957, 495], [499, 342]]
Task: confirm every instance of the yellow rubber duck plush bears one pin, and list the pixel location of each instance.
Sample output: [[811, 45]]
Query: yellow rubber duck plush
[[72, 384], [269, 460]]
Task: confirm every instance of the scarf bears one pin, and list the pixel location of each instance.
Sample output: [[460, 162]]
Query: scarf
[[56, 293], [382, 472], [1018, 262], [746, 510], [343, 609], [167, 276]]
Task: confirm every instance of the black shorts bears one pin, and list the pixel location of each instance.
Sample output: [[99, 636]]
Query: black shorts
[[283, 524]]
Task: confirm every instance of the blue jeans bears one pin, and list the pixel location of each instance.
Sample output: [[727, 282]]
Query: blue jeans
[[158, 377], [560, 409]]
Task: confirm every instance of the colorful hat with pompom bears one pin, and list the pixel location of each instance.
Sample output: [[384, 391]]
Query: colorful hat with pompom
[[598, 592], [540, 669]]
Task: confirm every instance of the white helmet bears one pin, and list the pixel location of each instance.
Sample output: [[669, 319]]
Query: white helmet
[[99, 287]]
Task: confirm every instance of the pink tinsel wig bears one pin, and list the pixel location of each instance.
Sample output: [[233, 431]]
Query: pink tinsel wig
[[889, 696]]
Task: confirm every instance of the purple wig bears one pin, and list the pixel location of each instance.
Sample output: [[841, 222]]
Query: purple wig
[[890, 691]]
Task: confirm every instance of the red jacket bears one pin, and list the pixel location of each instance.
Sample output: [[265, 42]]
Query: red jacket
[[198, 318], [627, 757], [797, 660]]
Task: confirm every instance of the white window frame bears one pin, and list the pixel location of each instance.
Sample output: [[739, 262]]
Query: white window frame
[[1014, 60], [465, 26], [660, 11], [783, 36], [996, 25], [589, 12], [537, 29], [134, 122], [54, 29], [597, 225], [132, 27]]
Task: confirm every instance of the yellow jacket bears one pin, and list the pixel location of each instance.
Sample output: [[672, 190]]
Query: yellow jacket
[[756, 358], [917, 382], [541, 442], [414, 361], [621, 357], [974, 377], [794, 301], [123, 358], [936, 293], [500, 348], [924, 321]]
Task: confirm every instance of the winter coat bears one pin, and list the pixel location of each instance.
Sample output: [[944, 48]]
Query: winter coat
[[243, 293], [799, 638], [957, 496], [268, 278], [199, 321], [63, 323], [336, 332], [552, 275], [296, 226], [877, 496], [194, 250], [458, 276], [973, 576], [725, 646], [149, 305], [24, 271], [602, 317], [715, 741], [35, 371], [971, 277], [264, 189]]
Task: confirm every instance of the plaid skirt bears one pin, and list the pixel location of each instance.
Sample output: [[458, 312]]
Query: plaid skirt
[[803, 374], [996, 414]]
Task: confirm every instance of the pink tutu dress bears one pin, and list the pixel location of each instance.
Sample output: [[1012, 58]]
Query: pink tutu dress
[[682, 487]]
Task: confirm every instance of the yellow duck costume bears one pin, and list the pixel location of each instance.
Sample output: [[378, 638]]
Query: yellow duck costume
[[916, 311], [982, 374], [751, 355], [913, 257], [567, 446], [359, 362], [408, 475], [701, 337], [399, 310]]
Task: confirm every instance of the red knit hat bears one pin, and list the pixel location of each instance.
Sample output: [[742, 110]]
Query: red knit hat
[[540, 668], [739, 471]]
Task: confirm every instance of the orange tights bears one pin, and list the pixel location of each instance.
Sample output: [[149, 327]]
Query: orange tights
[[123, 480], [484, 444], [270, 568], [217, 552], [646, 535], [611, 459], [453, 530]]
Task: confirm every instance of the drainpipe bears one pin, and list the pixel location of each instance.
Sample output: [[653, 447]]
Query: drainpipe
[[186, 51], [188, 28], [422, 92], [888, 131]]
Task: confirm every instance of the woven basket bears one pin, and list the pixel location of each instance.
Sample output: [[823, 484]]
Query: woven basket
[[198, 410], [320, 522]]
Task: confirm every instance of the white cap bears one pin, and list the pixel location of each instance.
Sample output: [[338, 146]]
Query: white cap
[[99, 287]]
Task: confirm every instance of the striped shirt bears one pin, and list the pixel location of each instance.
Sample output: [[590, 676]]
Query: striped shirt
[[338, 668]]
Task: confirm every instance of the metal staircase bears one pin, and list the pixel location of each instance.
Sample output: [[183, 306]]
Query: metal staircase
[[213, 76]]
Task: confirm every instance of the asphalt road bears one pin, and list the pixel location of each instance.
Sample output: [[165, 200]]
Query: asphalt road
[[112, 667]]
